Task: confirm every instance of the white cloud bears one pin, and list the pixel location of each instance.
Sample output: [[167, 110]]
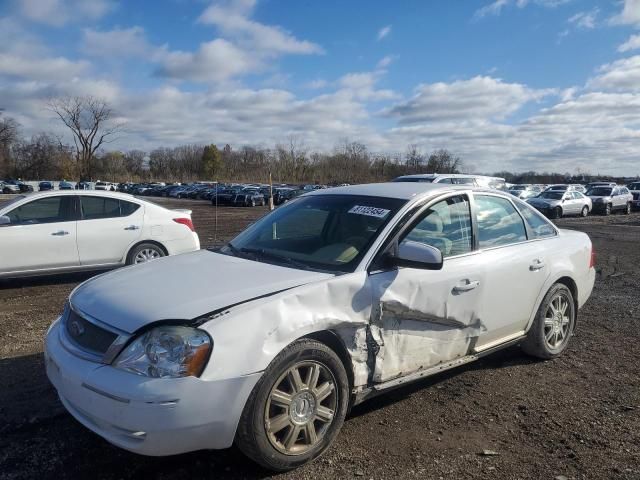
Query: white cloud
[[43, 69], [384, 32], [585, 20], [233, 20], [119, 42], [60, 12], [385, 62], [630, 14], [496, 7], [478, 97], [317, 84], [217, 60], [621, 75], [632, 43]]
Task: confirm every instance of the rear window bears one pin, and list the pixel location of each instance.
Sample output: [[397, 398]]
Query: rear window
[[105, 207], [414, 179], [499, 223]]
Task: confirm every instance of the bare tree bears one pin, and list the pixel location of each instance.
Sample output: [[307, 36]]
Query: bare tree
[[8, 136], [89, 119]]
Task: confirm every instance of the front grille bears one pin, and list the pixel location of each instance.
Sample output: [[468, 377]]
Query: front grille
[[87, 335]]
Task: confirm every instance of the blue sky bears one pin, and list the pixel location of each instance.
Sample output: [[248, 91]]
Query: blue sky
[[506, 84]]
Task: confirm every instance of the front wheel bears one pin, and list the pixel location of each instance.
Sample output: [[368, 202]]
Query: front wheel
[[557, 213], [607, 209], [585, 211], [628, 209], [553, 326], [296, 409]]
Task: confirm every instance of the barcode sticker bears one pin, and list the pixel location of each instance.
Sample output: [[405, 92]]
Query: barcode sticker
[[369, 211]]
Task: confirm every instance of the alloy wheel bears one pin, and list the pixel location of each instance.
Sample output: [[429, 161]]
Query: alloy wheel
[[300, 408], [146, 255], [557, 321]]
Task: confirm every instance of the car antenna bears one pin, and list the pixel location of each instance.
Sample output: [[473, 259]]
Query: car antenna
[[215, 227]]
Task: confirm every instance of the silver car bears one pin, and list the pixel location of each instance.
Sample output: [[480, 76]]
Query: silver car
[[525, 191], [610, 199], [556, 204]]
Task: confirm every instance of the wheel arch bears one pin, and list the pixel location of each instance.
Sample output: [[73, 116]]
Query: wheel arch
[[335, 343], [140, 242], [563, 279]]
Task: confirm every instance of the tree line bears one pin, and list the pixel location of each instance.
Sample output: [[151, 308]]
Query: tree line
[[91, 124]]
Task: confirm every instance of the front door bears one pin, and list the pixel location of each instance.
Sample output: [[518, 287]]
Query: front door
[[428, 317], [41, 236]]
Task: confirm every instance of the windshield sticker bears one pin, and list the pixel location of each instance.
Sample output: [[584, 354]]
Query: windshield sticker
[[369, 211]]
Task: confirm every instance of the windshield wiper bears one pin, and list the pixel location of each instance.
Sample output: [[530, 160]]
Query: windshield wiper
[[261, 252]]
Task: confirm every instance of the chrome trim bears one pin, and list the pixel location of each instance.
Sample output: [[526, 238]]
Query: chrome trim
[[112, 352], [105, 394]]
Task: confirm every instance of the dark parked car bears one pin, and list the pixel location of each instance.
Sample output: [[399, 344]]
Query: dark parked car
[[83, 185], [44, 186], [24, 187], [248, 198], [65, 186]]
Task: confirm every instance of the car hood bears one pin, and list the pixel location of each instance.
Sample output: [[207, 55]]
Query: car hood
[[182, 287]]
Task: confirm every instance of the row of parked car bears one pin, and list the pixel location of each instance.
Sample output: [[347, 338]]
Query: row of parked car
[[231, 194], [560, 200]]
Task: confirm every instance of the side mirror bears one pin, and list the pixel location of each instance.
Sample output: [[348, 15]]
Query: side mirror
[[4, 220], [417, 255]]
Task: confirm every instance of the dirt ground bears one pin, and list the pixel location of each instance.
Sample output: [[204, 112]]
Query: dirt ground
[[576, 417]]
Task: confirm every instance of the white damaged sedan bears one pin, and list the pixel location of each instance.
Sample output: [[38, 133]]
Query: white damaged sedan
[[336, 296]]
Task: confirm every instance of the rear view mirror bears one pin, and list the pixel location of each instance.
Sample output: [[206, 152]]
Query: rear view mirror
[[4, 220], [417, 255]]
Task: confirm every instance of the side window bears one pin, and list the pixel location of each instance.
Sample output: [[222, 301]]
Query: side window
[[445, 180], [498, 222], [445, 226], [127, 208], [539, 226], [99, 207], [45, 210]]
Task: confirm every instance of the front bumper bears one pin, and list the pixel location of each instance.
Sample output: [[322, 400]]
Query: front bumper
[[146, 415]]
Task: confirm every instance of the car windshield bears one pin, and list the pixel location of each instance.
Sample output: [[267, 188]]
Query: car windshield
[[552, 195], [316, 232], [414, 179], [599, 192]]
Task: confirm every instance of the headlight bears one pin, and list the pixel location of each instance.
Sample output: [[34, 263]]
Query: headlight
[[167, 352]]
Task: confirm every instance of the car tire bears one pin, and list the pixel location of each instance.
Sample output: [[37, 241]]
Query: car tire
[[253, 202], [585, 211], [557, 213], [628, 209], [315, 423], [145, 252], [607, 209], [551, 331]]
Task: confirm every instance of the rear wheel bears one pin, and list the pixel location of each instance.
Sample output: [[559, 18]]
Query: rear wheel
[[143, 253], [585, 211], [296, 409], [553, 326], [557, 212]]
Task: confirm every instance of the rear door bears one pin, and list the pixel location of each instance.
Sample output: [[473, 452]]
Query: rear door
[[107, 229], [514, 267], [41, 235]]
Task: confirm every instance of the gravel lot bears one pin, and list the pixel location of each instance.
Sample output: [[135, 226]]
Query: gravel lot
[[577, 416]]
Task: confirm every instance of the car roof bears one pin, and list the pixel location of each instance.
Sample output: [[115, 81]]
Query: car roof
[[400, 190], [100, 193]]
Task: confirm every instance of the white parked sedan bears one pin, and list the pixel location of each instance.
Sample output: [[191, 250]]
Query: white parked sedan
[[336, 296], [58, 231]]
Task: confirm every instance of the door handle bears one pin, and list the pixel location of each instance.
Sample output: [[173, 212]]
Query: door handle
[[466, 287], [536, 265], [60, 233], [132, 227]]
